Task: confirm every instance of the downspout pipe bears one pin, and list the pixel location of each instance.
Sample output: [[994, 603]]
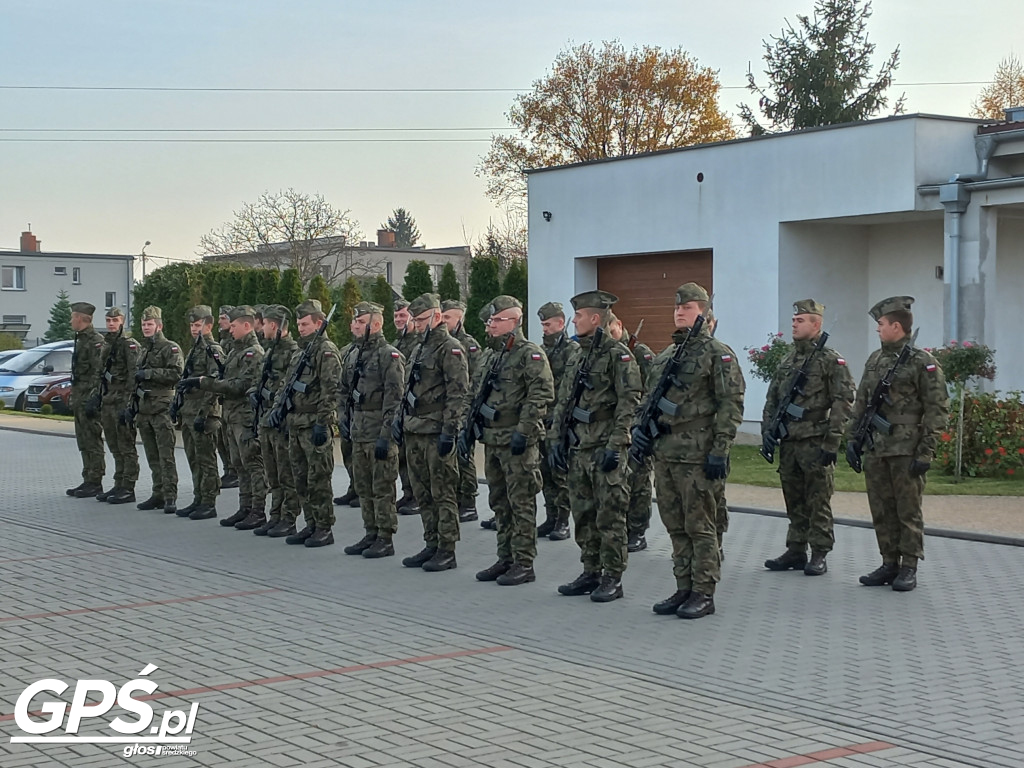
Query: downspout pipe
[[955, 197]]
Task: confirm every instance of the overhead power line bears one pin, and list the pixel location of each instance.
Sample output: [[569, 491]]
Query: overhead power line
[[243, 130], [157, 140]]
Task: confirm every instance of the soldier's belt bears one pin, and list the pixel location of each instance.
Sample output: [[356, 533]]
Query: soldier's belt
[[688, 426], [819, 414], [904, 418], [583, 416], [370, 403], [426, 408], [504, 420]]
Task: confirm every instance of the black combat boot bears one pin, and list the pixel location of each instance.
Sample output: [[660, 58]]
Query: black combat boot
[[636, 542], [407, 504], [264, 529], [816, 566], [697, 604], [104, 495], [345, 498], [490, 524], [671, 604], [282, 529], [301, 536], [516, 575], [443, 560], [229, 479], [203, 512], [186, 511], [121, 496], [322, 537], [906, 580], [170, 507], [255, 519], [88, 490], [492, 573], [609, 588], [467, 513], [382, 547], [76, 489], [583, 584], [791, 558], [362, 545], [561, 531], [545, 528], [153, 502], [239, 516], [417, 560], [886, 573]]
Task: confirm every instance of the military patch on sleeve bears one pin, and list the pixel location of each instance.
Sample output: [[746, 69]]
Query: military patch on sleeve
[[456, 351], [930, 367], [99, 345], [250, 353], [726, 358], [132, 345], [396, 355], [648, 356], [625, 358], [328, 353], [474, 349], [535, 356], [174, 348], [840, 361]]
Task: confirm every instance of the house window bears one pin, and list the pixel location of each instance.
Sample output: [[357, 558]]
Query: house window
[[389, 272], [437, 270], [14, 319], [111, 299], [12, 278], [60, 271], [76, 275]]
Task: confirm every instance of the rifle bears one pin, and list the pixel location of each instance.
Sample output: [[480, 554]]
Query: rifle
[[186, 372], [354, 395], [262, 393], [634, 338], [787, 409], [479, 409], [128, 414], [871, 420], [409, 397], [213, 356], [567, 437], [107, 376], [284, 401], [657, 403]]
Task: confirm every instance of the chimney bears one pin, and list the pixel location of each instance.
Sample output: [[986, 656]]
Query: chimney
[[385, 238], [29, 244]]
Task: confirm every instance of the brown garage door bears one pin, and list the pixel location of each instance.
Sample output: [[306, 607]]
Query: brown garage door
[[646, 286]]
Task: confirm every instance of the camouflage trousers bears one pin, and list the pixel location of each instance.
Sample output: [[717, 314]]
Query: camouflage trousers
[[513, 483], [807, 487], [312, 467], [284, 501], [721, 514], [158, 440], [201, 452], [346, 460], [434, 483], [89, 435], [121, 442], [895, 500], [599, 501], [247, 458], [374, 483], [687, 502], [403, 471], [638, 518], [223, 448], [466, 496], [556, 489]]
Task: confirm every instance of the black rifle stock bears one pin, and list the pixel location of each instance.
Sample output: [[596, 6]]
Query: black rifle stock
[[479, 409], [354, 395], [787, 409], [263, 395], [567, 437], [186, 373], [409, 397], [284, 401], [872, 420]]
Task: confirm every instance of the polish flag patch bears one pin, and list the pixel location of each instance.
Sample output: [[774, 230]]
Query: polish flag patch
[[930, 368], [726, 358], [395, 355], [840, 361], [625, 358], [456, 352], [535, 356]]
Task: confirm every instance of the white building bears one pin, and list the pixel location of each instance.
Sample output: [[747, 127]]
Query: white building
[[845, 214], [30, 280]]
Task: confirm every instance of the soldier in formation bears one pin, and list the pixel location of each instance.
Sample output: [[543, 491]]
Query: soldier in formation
[[230, 478], [405, 343], [453, 315], [86, 371], [117, 381]]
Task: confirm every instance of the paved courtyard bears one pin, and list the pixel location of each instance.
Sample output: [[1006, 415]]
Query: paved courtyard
[[311, 657]]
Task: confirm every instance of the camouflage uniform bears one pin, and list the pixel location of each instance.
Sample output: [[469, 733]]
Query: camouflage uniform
[[86, 369], [467, 469], [405, 343], [638, 519], [118, 385], [807, 455], [351, 496], [917, 409], [160, 366], [230, 479]]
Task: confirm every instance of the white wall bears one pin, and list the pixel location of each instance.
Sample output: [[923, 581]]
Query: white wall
[[1007, 334]]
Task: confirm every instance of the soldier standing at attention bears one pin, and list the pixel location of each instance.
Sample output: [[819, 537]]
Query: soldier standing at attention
[[230, 477], [598, 475], [200, 417], [691, 456], [560, 351], [375, 399], [896, 464], [284, 502], [437, 376], [405, 343], [807, 456], [519, 398], [310, 420], [86, 370], [350, 497], [116, 388], [159, 370], [453, 314]]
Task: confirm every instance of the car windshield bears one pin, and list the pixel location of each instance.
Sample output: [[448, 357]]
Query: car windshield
[[32, 361]]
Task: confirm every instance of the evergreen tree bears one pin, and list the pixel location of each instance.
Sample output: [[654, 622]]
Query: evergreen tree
[[407, 234], [251, 284], [483, 286], [383, 294], [448, 286], [515, 283], [350, 296], [318, 290], [269, 279], [417, 280], [60, 319], [289, 290], [231, 288]]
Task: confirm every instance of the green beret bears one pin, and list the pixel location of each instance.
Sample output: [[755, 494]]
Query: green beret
[[153, 313], [485, 313], [258, 310], [309, 307], [594, 300], [84, 308], [367, 308], [550, 310], [275, 313], [401, 304], [200, 312], [424, 303], [115, 312], [242, 312], [808, 307], [503, 302], [449, 304], [225, 308], [892, 304], [691, 292]]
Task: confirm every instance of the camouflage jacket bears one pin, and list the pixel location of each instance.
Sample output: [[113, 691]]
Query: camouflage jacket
[[279, 355], [200, 402], [406, 342], [315, 399], [473, 349], [443, 374], [241, 373], [86, 365], [163, 362], [379, 392], [827, 395], [644, 358], [560, 351], [708, 390], [522, 393], [918, 402], [611, 398], [120, 379]]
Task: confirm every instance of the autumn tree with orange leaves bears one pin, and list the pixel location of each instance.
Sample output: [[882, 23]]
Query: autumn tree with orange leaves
[[1005, 90], [605, 102]]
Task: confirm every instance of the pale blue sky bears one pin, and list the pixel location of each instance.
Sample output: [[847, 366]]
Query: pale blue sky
[[112, 197]]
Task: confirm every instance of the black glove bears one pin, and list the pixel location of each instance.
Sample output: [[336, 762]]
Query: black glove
[[462, 445], [319, 435], [345, 429], [609, 460], [276, 418], [124, 417], [517, 443], [92, 406], [142, 374], [852, 458], [381, 448], [768, 446], [199, 425], [254, 401], [187, 385], [397, 433], [642, 442], [827, 458], [715, 467], [557, 458], [918, 468], [445, 444]]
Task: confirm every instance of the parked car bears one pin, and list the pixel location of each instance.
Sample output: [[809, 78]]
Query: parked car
[[54, 391], [22, 371], [7, 354]]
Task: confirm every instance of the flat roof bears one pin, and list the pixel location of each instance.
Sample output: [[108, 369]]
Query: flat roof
[[52, 255]]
